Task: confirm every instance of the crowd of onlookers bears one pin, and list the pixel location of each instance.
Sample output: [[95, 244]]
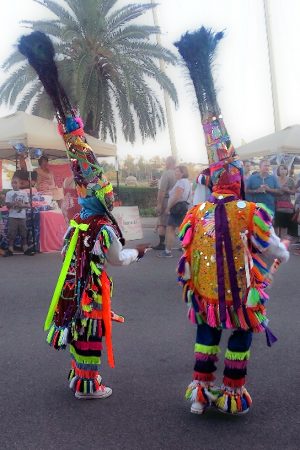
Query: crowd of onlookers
[[279, 191]]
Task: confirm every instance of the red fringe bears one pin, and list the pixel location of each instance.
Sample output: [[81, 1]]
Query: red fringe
[[200, 376], [234, 383]]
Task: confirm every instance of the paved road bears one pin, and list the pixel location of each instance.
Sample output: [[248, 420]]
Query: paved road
[[154, 355]]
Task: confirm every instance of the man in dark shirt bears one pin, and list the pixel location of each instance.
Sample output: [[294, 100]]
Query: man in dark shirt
[[263, 187]]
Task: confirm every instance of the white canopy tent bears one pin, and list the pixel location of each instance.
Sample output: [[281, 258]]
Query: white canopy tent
[[36, 132], [283, 142]]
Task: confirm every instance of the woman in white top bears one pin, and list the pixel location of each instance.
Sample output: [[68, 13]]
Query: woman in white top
[[178, 204]]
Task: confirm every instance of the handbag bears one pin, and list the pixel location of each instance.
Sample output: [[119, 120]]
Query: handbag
[[284, 204], [179, 209]]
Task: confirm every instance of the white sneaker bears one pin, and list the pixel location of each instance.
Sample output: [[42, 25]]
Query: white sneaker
[[198, 408], [103, 392]]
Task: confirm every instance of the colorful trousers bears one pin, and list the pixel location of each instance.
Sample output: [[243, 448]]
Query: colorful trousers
[[236, 356], [85, 349]]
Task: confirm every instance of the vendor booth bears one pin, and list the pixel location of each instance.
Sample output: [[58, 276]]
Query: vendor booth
[[46, 221], [283, 143]]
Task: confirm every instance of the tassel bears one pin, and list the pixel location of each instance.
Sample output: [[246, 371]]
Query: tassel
[[253, 297], [271, 339], [187, 237], [187, 272], [211, 318], [241, 317], [192, 315], [181, 265], [228, 321], [239, 403], [247, 397], [220, 402], [233, 405]]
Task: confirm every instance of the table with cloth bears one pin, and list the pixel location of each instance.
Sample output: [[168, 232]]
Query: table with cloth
[[49, 229]]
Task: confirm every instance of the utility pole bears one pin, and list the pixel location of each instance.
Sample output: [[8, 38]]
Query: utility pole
[[169, 116], [277, 124]]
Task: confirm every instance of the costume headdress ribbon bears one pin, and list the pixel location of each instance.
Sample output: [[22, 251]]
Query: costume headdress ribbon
[[64, 270]]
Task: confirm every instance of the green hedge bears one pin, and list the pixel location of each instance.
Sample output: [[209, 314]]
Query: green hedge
[[143, 197]]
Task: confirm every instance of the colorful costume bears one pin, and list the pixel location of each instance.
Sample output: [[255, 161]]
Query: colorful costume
[[80, 313], [225, 238]]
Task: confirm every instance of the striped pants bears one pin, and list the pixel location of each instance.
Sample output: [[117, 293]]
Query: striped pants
[[85, 349], [236, 356]]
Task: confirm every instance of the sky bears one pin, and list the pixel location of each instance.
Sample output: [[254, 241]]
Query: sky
[[242, 73]]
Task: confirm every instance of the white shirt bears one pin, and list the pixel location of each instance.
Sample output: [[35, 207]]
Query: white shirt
[[17, 197], [186, 194], [117, 255]]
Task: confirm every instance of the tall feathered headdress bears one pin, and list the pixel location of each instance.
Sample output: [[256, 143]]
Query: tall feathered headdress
[[88, 174], [198, 50]]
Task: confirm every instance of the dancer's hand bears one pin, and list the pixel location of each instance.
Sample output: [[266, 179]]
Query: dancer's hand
[[142, 249]]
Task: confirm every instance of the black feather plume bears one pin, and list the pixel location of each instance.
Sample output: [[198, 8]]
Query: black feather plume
[[38, 49], [198, 50]]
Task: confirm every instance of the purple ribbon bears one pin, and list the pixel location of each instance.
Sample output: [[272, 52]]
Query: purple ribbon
[[223, 241]]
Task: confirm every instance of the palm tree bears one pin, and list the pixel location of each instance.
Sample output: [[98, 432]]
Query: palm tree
[[106, 62]]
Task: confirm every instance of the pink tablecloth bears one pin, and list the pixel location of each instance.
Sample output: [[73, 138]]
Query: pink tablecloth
[[52, 229]]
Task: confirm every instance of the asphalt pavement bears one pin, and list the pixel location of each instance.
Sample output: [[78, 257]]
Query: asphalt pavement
[[154, 364]]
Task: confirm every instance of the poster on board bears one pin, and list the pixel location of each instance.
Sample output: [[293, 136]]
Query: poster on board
[[128, 218]]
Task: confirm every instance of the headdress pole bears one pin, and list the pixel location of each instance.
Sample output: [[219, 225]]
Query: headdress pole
[[88, 174]]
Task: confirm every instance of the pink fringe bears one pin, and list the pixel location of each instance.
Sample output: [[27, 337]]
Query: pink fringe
[[228, 321], [204, 357], [235, 364], [192, 315], [211, 317], [187, 238]]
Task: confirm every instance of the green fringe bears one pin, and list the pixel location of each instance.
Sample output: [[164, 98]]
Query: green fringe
[[265, 208], [184, 229], [50, 334], [237, 356], [207, 349], [253, 297], [259, 222], [84, 359]]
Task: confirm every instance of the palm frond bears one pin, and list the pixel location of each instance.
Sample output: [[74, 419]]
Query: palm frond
[[13, 59], [126, 14]]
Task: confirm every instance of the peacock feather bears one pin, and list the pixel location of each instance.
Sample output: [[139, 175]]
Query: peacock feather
[[198, 49], [38, 49]]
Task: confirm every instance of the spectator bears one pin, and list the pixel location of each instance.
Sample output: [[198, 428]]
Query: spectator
[[180, 197], [263, 186], [295, 223], [45, 178], [247, 170], [284, 206], [166, 183], [46, 182], [17, 202]]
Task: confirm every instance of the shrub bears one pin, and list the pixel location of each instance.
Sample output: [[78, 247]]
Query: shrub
[[143, 197]]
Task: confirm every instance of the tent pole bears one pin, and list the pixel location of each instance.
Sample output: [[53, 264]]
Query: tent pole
[[169, 116], [277, 124]]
